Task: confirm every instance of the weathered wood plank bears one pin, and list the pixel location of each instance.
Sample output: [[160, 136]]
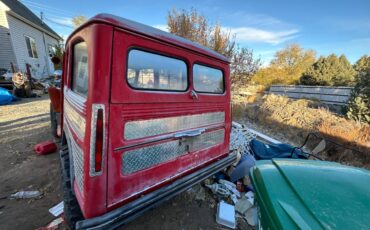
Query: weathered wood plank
[[325, 94]]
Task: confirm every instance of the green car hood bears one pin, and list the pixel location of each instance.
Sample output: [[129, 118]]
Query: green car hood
[[309, 194]]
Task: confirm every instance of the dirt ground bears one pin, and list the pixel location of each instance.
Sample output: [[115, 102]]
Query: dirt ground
[[26, 123]]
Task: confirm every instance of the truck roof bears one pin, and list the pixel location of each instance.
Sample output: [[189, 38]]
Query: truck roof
[[149, 31]]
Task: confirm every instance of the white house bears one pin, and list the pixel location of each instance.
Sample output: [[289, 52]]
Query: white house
[[25, 39]]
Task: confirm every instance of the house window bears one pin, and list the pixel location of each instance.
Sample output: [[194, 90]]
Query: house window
[[31, 47], [51, 50]]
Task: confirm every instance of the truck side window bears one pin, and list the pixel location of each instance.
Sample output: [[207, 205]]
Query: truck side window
[[80, 69], [157, 72], [207, 79]]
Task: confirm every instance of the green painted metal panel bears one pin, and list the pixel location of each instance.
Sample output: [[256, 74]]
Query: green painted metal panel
[[307, 194]]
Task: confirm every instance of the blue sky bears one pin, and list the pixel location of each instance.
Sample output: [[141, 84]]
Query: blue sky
[[340, 27]]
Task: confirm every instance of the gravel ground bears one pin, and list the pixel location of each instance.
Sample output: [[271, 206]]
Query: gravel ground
[[26, 123]]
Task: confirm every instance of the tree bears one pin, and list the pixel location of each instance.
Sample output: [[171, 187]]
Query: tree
[[287, 66], [195, 27], [330, 71], [359, 103], [59, 53], [78, 20], [294, 59], [363, 64], [243, 66]]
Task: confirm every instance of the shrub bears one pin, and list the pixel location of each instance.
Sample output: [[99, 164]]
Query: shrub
[[359, 103]]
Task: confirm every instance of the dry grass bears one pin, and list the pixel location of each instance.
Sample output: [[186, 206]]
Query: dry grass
[[247, 94], [296, 118], [354, 133]]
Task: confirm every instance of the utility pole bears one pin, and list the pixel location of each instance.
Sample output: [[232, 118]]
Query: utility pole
[[42, 17], [47, 61]]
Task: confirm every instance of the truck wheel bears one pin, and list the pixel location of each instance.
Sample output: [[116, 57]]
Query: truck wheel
[[53, 121], [72, 211]]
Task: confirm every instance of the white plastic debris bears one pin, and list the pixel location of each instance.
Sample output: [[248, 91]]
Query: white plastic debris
[[234, 198], [243, 205], [219, 189], [230, 186], [250, 196], [252, 216], [55, 224], [226, 215], [57, 210], [240, 138], [225, 189], [25, 195]]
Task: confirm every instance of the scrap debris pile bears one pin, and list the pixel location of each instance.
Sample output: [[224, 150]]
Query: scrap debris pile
[[232, 187], [21, 85]]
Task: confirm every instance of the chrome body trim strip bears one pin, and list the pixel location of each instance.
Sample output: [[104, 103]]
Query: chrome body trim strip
[[94, 117]]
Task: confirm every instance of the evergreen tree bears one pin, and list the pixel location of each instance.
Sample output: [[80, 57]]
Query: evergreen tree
[[330, 71], [363, 64], [359, 103]]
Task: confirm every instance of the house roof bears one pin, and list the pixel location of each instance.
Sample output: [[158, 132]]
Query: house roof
[[24, 13], [153, 32]]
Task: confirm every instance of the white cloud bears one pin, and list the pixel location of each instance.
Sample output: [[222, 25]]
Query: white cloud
[[161, 27], [252, 34], [254, 19]]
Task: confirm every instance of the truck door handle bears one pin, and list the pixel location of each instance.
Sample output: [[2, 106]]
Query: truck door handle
[[194, 95], [191, 133]]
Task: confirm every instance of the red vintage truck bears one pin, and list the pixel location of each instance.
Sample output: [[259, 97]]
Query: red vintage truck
[[144, 115]]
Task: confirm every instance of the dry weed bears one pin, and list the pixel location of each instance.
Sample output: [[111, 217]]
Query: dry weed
[[296, 118]]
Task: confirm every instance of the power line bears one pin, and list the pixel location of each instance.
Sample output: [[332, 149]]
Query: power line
[[58, 23], [46, 7], [32, 8]]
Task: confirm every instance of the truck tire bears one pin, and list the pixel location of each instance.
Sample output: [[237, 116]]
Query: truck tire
[[53, 121], [72, 211]]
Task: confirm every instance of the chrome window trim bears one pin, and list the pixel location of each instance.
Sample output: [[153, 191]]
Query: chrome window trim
[[94, 117]]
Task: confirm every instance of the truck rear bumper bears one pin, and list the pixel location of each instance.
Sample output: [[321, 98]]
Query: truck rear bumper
[[132, 210]]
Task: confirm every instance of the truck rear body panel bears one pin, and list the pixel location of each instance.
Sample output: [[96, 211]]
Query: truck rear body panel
[[140, 111]]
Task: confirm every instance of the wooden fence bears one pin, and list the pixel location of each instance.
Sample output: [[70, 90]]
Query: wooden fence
[[325, 94]]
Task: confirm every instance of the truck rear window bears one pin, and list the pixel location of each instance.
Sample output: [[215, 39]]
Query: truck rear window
[[156, 72], [80, 69], [208, 79]]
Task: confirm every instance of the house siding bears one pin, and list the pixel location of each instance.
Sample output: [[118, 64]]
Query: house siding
[[6, 49], [18, 31]]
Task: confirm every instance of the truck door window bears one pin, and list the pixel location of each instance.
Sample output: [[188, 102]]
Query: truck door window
[[80, 69], [156, 72], [208, 79]]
